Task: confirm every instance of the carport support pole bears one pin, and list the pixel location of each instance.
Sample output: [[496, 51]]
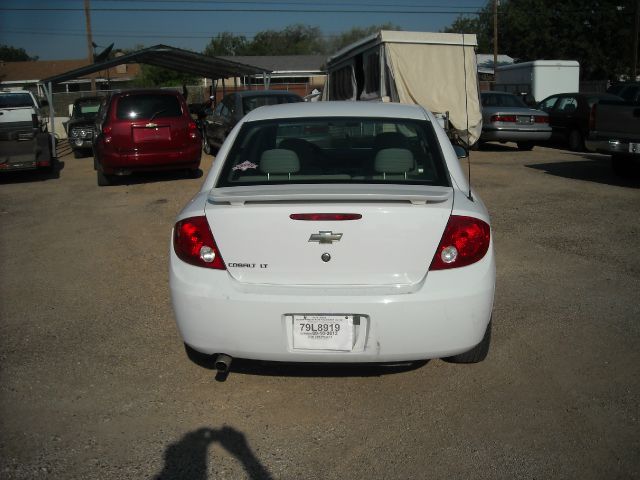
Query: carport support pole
[[48, 90]]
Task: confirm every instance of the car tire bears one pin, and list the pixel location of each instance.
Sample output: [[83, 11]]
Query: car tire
[[525, 146], [477, 353], [103, 180], [78, 154], [206, 146], [575, 141], [194, 173], [621, 165]]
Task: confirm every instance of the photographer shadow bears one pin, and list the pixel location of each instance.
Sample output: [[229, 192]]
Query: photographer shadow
[[187, 459]]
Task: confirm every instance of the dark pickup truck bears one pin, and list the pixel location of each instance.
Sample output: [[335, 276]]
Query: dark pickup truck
[[615, 130], [80, 127]]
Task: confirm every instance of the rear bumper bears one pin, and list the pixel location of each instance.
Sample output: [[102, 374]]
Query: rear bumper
[[447, 314], [114, 162], [611, 147], [508, 135], [27, 154]]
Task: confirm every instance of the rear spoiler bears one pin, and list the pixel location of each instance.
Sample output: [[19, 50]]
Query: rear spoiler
[[415, 194]]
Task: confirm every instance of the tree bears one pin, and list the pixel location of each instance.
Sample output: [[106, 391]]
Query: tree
[[596, 33], [355, 34], [226, 44], [293, 40], [152, 76], [13, 54], [480, 25]]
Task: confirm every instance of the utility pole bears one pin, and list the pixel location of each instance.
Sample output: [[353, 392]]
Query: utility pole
[[495, 38], [87, 16], [635, 42]]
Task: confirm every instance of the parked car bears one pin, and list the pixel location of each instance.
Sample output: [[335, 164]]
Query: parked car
[[506, 118], [145, 130], [219, 122], [335, 232], [629, 91], [569, 116], [81, 125]]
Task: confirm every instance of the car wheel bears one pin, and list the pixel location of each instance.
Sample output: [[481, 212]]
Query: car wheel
[[194, 173], [77, 154], [103, 180], [526, 146], [621, 165], [206, 147], [477, 353], [576, 142]]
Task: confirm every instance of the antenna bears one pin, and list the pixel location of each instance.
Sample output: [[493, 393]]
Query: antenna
[[466, 111]]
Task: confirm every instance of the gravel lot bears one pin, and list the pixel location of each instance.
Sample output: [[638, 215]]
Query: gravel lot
[[95, 383]]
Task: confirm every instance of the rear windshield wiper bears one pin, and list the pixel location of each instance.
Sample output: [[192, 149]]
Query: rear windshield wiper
[[156, 114]]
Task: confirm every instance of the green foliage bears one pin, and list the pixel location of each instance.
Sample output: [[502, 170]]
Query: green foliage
[[13, 54], [596, 33], [480, 25], [355, 34], [226, 44], [293, 40], [153, 76]]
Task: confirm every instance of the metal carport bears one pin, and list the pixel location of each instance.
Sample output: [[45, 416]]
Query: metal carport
[[173, 58]]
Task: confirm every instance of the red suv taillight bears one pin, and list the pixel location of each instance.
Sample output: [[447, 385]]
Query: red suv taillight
[[193, 130], [193, 243], [106, 131], [465, 241]]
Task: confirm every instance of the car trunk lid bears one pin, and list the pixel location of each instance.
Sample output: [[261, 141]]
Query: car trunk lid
[[391, 243]]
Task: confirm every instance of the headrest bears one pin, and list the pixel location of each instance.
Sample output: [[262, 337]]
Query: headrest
[[279, 160], [394, 160]]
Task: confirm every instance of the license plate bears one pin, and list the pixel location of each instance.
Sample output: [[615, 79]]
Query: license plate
[[323, 332], [524, 119], [634, 148]]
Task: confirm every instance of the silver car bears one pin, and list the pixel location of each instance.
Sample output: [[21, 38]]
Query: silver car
[[506, 118]]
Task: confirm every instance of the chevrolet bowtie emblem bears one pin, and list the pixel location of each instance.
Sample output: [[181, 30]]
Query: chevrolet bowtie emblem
[[325, 237]]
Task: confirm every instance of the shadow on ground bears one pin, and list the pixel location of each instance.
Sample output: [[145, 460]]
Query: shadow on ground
[[589, 167], [282, 369], [187, 459], [153, 177], [27, 176]]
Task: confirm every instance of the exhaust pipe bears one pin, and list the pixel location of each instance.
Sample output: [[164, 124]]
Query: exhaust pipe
[[223, 362]]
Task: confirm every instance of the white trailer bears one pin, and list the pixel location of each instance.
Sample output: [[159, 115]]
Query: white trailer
[[539, 79], [435, 70]]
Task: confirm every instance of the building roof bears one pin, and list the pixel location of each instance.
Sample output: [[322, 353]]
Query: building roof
[[282, 64], [35, 71]]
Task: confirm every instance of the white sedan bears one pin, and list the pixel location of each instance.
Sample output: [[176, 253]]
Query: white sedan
[[335, 232]]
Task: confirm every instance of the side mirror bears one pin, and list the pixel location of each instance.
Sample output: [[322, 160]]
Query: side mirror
[[460, 152]]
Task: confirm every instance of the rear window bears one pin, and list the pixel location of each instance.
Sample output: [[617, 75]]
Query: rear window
[[251, 103], [132, 107], [500, 100], [335, 150], [16, 100]]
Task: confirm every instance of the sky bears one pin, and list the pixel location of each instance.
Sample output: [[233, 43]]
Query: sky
[[56, 29]]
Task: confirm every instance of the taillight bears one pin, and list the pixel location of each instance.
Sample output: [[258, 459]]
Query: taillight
[[465, 241], [325, 216], [503, 118], [193, 243], [541, 119], [106, 130], [193, 130]]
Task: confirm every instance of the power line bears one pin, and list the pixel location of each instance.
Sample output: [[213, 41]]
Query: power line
[[234, 10]]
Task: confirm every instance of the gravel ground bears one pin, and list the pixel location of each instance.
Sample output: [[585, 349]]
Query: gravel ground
[[95, 383]]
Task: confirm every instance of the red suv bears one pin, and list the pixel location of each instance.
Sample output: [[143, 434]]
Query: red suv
[[145, 130]]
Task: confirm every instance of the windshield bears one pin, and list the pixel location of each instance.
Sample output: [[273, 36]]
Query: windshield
[[16, 100], [86, 109], [133, 107], [502, 100], [335, 150]]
